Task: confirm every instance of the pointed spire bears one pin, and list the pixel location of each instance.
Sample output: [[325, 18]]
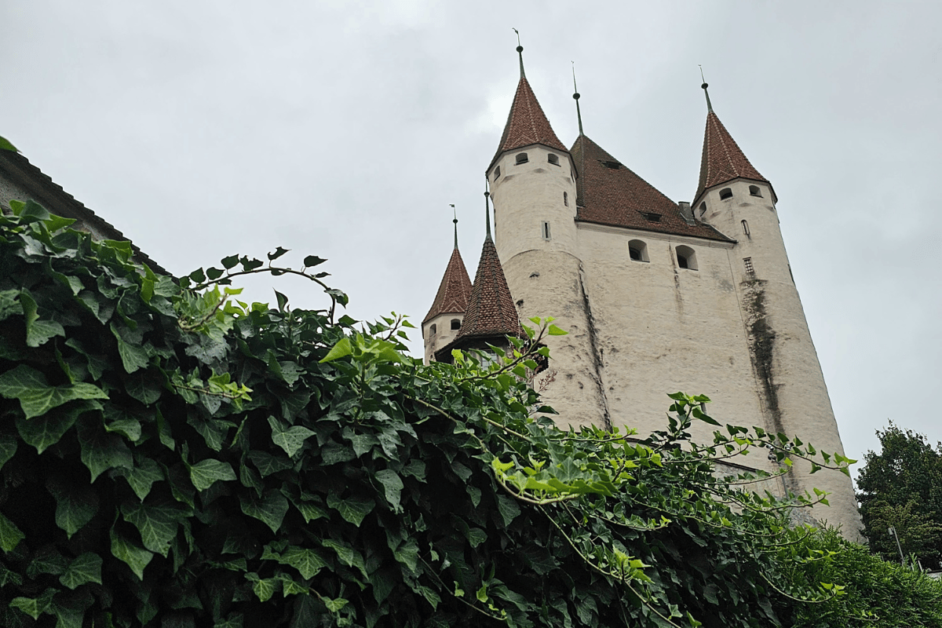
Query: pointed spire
[[491, 312], [576, 97], [705, 85], [454, 292], [455, 213], [487, 208], [523, 74], [722, 159]]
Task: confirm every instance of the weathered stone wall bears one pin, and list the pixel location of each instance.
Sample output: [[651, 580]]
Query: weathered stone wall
[[443, 335]]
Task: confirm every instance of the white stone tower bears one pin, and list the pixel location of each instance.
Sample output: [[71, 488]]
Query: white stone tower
[[533, 184], [443, 322]]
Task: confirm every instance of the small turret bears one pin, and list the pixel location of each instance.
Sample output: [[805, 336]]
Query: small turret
[[443, 322]]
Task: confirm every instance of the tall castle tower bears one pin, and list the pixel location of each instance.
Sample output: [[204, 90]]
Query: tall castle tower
[[659, 296]]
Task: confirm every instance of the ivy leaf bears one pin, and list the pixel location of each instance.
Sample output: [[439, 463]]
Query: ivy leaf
[[101, 451], [76, 503], [306, 561], [85, 568], [270, 509], [6, 145], [36, 396], [392, 485], [353, 509], [508, 509], [141, 477], [339, 350], [207, 472], [135, 558], [7, 448], [34, 607], [156, 522], [10, 535], [263, 588], [38, 332], [45, 431], [291, 439], [268, 464], [133, 357]]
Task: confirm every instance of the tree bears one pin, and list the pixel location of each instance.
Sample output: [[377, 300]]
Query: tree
[[901, 486], [172, 456]]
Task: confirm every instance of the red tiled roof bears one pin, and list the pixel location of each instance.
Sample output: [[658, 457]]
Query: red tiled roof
[[491, 310], [608, 193], [722, 159], [526, 124], [454, 291]]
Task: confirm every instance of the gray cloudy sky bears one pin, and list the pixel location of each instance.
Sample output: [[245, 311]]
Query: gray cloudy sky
[[345, 129]]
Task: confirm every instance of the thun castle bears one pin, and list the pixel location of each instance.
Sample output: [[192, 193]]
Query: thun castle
[[657, 296]]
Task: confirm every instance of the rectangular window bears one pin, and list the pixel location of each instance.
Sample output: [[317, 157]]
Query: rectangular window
[[497, 173], [747, 262], [546, 230]]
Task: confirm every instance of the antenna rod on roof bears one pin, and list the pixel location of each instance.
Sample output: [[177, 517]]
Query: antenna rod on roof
[[455, 213], [705, 91], [487, 207], [520, 52], [576, 97]]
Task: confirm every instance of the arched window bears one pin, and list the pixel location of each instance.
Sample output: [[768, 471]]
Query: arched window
[[745, 228], [726, 193], [455, 323], [686, 257], [638, 251], [497, 173], [566, 199], [553, 159], [755, 191], [702, 209], [522, 158], [433, 330]]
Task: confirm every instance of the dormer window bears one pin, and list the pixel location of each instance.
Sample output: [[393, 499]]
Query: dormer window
[[651, 216], [726, 193], [614, 165], [455, 324], [755, 191], [553, 159], [497, 173], [522, 158]]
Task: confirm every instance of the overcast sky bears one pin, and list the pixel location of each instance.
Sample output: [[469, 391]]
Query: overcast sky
[[345, 129]]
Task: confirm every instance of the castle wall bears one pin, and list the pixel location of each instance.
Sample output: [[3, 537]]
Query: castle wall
[[443, 335]]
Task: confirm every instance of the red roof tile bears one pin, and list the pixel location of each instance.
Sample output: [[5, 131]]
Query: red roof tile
[[722, 159], [608, 193], [455, 290], [491, 311], [526, 124]]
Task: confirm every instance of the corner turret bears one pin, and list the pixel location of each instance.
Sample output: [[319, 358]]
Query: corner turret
[[444, 319]]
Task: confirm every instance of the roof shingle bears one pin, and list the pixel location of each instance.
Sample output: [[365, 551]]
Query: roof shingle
[[722, 159], [455, 290], [526, 124], [608, 193], [491, 311]]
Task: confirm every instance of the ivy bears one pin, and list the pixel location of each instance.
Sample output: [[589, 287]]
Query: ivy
[[173, 456]]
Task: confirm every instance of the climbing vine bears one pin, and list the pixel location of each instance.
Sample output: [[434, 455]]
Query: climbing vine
[[173, 456]]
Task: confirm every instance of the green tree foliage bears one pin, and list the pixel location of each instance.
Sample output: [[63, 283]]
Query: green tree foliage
[[901, 486], [173, 457]]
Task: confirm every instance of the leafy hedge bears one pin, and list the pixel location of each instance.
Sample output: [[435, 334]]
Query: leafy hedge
[[174, 457]]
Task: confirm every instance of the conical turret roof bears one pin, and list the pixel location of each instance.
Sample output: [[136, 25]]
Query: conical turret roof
[[491, 311], [722, 159], [455, 290], [610, 193], [526, 124]]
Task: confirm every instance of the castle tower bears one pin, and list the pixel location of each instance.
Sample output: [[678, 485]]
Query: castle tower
[[738, 201], [443, 321], [491, 315], [533, 183]]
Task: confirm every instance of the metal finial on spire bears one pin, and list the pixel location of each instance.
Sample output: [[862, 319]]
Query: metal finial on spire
[[705, 91], [520, 52], [455, 213], [487, 207], [576, 96]]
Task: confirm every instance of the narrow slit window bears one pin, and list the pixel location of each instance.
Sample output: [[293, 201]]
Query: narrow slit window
[[433, 330], [745, 228], [497, 173], [553, 159], [726, 193], [566, 199], [546, 230], [522, 158], [702, 209], [747, 262]]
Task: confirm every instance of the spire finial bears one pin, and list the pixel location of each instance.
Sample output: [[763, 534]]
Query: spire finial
[[705, 91], [520, 52], [455, 213], [575, 97], [487, 207]]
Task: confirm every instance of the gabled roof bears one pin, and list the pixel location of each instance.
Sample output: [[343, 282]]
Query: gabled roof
[[722, 159], [609, 193], [526, 124], [455, 290], [491, 312]]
